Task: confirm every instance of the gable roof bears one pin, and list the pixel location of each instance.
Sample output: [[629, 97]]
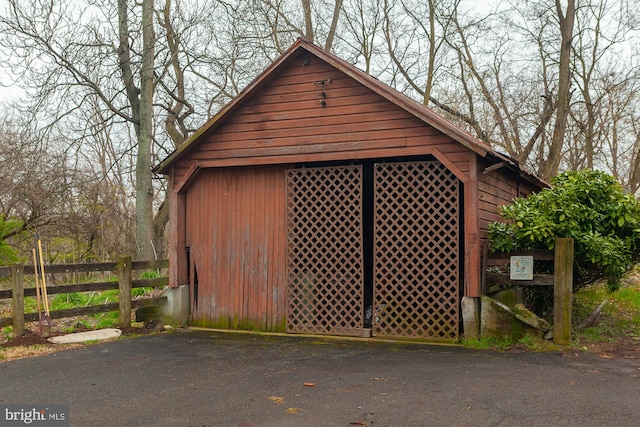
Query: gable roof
[[420, 111]]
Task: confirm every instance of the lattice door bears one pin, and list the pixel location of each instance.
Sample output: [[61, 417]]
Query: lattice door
[[416, 265], [324, 250]]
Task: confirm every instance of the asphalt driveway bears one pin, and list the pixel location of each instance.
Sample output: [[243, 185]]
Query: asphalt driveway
[[200, 378]]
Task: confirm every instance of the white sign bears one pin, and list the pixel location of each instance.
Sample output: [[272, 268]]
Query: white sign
[[521, 268]]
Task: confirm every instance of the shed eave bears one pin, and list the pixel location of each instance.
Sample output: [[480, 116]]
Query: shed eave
[[164, 166]]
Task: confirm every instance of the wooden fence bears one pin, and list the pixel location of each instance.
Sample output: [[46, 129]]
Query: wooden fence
[[561, 280], [125, 283]]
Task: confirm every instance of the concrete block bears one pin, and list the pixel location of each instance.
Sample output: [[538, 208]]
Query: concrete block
[[509, 297], [499, 320], [176, 311], [471, 317]]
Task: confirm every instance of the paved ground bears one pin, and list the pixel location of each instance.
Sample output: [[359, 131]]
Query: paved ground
[[217, 379]]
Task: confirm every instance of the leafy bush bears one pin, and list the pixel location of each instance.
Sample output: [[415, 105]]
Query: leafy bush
[[589, 206]]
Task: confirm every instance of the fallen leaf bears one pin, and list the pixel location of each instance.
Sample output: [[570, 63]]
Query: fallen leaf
[[276, 399], [293, 410], [360, 423]]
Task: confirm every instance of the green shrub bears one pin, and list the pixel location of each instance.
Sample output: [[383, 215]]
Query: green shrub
[[589, 206]]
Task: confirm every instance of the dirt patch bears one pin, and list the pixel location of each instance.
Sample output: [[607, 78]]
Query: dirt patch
[[30, 344], [623, 348], [29, 338]]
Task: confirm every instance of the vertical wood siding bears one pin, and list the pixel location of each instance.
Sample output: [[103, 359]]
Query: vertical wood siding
[[236, 232]]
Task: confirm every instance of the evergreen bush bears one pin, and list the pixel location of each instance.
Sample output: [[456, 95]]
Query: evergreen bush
[[588, 205]]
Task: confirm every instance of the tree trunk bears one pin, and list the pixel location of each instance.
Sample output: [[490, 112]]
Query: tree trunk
[[552, 165], [334, 24], [432, 53], [124, 62], [141, 103], [308, 23], [144, 187]]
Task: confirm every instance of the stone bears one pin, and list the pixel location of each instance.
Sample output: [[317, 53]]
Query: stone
[[499, 320]]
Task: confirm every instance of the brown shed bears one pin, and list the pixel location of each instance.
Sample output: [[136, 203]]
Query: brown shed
[[323, 201]]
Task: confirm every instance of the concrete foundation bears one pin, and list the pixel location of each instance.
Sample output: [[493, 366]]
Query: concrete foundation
[[176, 311], [471, 317]]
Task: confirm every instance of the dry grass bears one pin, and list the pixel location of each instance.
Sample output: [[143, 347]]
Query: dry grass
[[22, 352]]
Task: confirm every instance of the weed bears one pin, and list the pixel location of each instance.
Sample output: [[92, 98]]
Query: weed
[[107, 320], [7, 332], [151, 274], [74, 299], [109, 296], [140, 291], [531, 342], [620, 317], [77, 324], [500, 343], [629, 297], [31, 305]]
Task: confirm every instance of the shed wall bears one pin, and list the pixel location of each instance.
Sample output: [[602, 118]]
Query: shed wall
[[495, 189], [236, 235], [286, 122]]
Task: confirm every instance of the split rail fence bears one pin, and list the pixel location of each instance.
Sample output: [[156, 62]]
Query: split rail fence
[[123, 268]]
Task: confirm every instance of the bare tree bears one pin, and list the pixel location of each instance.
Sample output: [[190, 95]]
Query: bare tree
[[70, 54], [35, 178], [331, 34], [507, 107], [128, 83], [618, 128], [566, 19], [308, 19], [68, 48], [406, 25], [280, 22], [363, 23]]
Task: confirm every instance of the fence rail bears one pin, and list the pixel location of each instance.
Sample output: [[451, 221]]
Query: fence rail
[[5, 271], [125, 283], [561, 280]]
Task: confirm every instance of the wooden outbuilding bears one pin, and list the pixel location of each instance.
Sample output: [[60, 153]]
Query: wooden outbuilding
[[321, 200]]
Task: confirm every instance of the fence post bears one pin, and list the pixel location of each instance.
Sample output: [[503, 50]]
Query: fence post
[[562, 291], [17, 298], [124, 291]]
